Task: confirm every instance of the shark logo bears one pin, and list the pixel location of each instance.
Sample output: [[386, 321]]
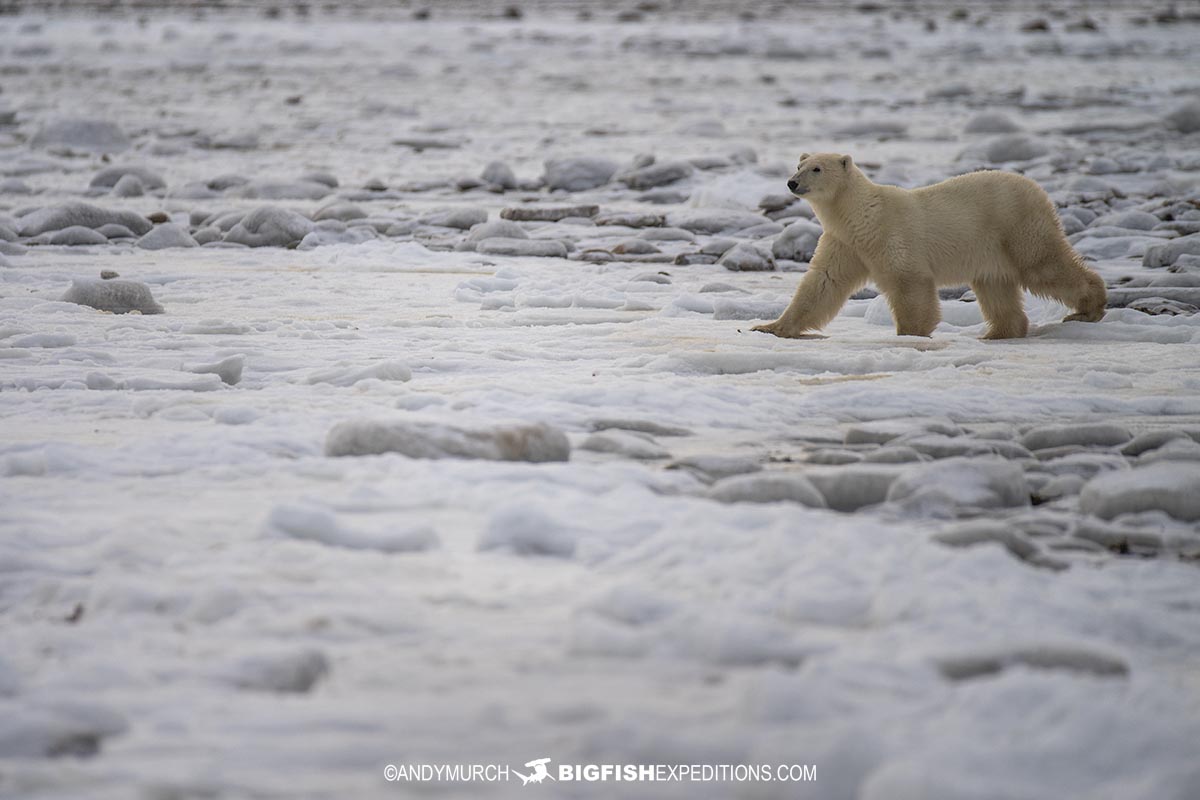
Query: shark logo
[[539, 774]]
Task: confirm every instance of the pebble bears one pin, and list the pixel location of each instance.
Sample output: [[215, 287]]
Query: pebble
[[427, 439], [270, 226], [578, 174], [118, 296], [547, 213], [167, 235]]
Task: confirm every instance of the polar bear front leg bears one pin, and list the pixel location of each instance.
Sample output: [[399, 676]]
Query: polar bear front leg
[[915, 306], [835, 274]]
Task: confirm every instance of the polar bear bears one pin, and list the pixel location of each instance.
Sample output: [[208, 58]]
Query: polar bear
[[996, 231]]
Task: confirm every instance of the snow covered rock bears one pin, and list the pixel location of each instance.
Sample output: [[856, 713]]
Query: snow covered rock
[[118, 296], [170, 234], [798, 241], [129, 186], [52, 729], [714, 221], [1186, 118], [229, 370], [1003, 149], [1039, 656], [944, 487], [547, 213], [658, 174], [767, 487], [744, 257], [499, 174], [1092, 434], [108, 177], [283, 190], [1166, 254], [1170, 486], [270, 226], [349, 374], [854, 486], [66, 215], [498, 229], [527, 532], [82, 134], [426, 439], [339, 211], [578, 174], [1151, 440], [77, 235], [883, 431]]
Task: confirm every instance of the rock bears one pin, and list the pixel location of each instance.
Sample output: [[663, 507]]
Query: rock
[[714, 468], [623, 443], [991, 122], [798, 241], [1186, 118], [499, 229], [1177, 450], [270, 226], [129, 186], [1093, 434], [118, 296], [343, 212], [285, 671], [894, 454], [167, 235], [499, 174], [659, 174], [942, 488], [667, 235], [1156, 306], [55, 218], [421, 143], [1169, 486], [208, 234], [1166, 254], [78, 235], [767, 487], [743, 257], [539, 248], [109, 177], [460, 218], [640, 426], [976, 532], [321, 238], [427, 439], [547, 213], [714, 221], [578, 174], [81, 134], [1041, 656]]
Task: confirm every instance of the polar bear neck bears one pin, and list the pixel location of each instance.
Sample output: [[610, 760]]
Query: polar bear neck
[[852, 214]]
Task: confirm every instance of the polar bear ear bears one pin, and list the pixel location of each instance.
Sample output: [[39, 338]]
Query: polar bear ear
[[846, 162], [804, 156]]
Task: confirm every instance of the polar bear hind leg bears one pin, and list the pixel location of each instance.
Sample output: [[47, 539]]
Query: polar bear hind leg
[[1068, 281], [1002, 306]]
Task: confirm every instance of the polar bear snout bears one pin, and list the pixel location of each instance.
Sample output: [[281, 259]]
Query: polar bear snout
[[795, 188]]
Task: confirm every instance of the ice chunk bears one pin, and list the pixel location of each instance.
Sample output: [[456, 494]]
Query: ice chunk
[[428, 439], [228, 369]]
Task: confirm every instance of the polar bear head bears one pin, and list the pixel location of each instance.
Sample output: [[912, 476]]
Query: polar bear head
[[819, 176]]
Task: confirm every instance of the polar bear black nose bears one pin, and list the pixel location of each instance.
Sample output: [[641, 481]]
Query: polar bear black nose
[[792, 186]]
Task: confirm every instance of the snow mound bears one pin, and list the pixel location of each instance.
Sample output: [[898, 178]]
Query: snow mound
[[118, 296], [1170, 486], [767, 487], [944, 488], [315, 523]]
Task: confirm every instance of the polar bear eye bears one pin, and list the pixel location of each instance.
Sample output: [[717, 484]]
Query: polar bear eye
[[816, 169]]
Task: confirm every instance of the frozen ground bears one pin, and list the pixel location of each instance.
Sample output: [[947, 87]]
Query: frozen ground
[[935, 568]]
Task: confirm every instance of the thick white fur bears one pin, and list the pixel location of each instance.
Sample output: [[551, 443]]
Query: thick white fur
[[996, 231]]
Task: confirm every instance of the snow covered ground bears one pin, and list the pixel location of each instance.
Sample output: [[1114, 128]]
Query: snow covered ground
[[940, 568]]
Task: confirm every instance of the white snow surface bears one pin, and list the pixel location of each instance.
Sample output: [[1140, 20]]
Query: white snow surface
[[197, 601]]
